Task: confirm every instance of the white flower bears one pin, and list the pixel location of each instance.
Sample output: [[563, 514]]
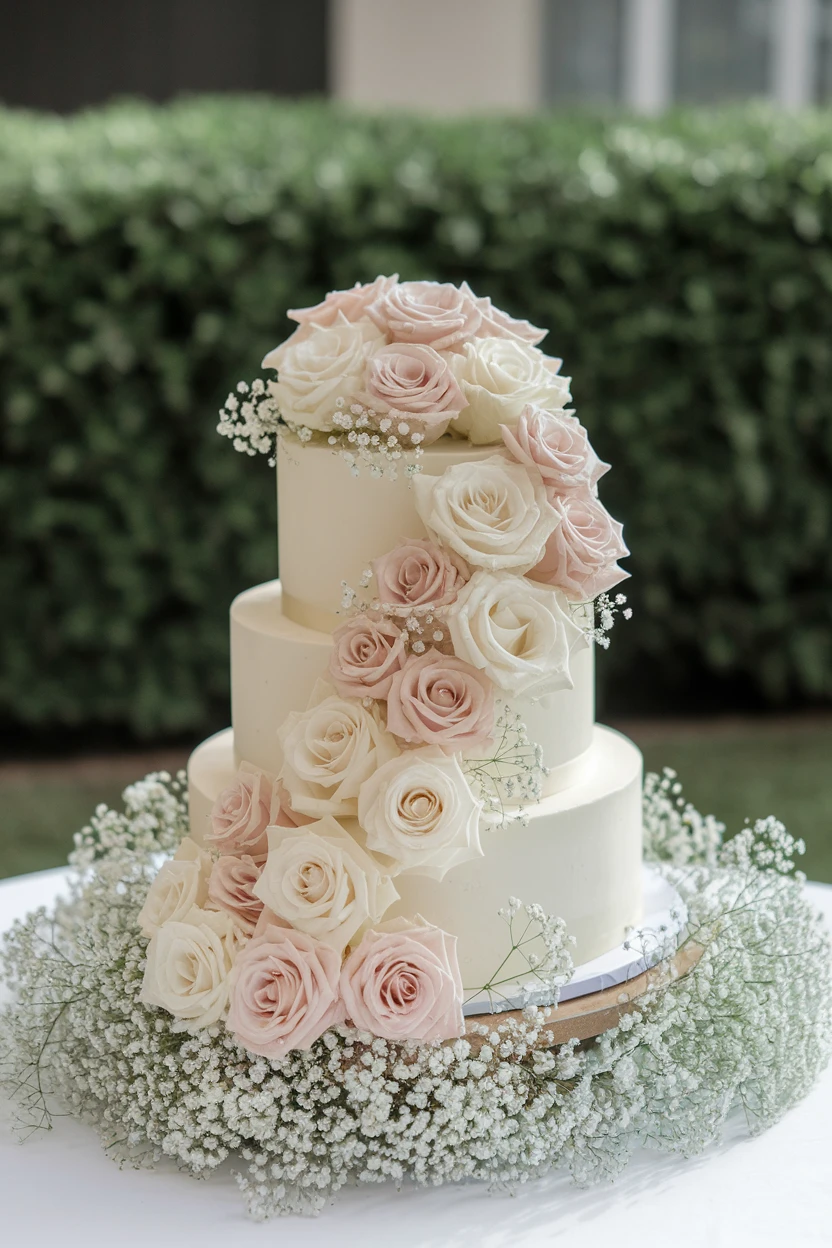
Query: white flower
[[329, 751], [320, 880], [189, 962], [498, 377], [494, 514], [318, 365], [419, 810], [180, 885], [521, 637]]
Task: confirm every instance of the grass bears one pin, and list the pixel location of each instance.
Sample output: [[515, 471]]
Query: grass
[[736, 769]]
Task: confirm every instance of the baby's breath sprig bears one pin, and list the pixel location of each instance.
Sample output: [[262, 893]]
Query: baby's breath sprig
[[511, 777], [540, 947], [382, 443], [422, 627], [251, 419], [597, 619]]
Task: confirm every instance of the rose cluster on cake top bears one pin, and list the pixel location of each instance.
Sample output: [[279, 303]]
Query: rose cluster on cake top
[[419, 359]]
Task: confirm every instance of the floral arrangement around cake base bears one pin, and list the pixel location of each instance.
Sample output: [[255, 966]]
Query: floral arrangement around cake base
[[747, 1027]]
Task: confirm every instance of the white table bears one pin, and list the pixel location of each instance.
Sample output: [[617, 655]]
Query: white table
[[59, 1188]]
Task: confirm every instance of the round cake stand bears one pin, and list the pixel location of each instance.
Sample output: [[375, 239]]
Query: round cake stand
[[599, 993]]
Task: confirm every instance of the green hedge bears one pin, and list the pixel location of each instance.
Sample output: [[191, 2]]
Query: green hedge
[[148, 256]]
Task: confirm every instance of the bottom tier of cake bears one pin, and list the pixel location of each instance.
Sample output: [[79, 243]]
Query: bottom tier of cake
[[579, 857]]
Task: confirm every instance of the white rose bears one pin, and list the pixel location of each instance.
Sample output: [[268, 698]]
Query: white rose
[[329, 751], [419, 810], [520, 637], [180, 885], [498, 377], [189, 962], [320, 880], [494, 514], [317, 366]]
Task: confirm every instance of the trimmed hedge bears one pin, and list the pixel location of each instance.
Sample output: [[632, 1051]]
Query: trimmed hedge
[[684, 268]]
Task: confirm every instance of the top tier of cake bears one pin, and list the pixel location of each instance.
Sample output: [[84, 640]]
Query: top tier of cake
[[331, 523]]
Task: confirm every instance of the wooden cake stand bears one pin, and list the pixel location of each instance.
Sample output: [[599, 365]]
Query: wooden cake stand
[[582, 1018]]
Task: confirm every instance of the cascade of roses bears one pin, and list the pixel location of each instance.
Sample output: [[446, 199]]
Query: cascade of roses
[[279, 924]]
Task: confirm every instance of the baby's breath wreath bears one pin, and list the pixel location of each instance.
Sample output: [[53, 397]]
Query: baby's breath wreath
[[748, 1027]]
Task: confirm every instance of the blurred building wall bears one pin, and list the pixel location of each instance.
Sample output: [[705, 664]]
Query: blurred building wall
[[445, 56]]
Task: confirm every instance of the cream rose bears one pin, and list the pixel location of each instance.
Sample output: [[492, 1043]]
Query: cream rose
[[352, 304], [180, 885], [230, 889], [557, 446], [419, 810], [189, 963], [366, 654], [316, 367], [515, 631], [403, 983], [498, 377], [417, 386], [284, 993], [329, 751], [493, 514], [242, 812], [437, 699], [437, 314], [417, 573], [321, 881], [580, 556]]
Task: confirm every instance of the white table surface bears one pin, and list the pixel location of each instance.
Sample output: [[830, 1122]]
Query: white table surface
[[59, 1188]]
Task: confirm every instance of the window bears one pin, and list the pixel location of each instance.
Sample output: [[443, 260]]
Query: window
[[582, 50], [723, 49]]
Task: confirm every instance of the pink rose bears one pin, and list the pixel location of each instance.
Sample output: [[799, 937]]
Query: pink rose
[[405, 985], [418, 573], [416, 383], [283, 816], [434, 313], [284, 993], [353, 303], [241, 814], [366, 654], [229, 889], [439, 700], [555, 443], [498, 324], [580, 556]]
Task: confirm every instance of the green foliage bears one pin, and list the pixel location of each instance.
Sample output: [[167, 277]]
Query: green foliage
[[148, 256]]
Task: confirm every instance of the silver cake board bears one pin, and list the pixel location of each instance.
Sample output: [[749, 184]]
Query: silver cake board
[[665, 916]]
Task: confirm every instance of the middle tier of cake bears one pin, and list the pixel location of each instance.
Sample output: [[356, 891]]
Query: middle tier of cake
[[275, 664]]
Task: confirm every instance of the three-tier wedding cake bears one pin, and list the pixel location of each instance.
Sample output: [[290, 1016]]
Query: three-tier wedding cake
[[414, 749]]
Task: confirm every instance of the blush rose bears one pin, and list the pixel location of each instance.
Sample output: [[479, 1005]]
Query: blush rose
[[284, 993], [418, 573], [366, 654], [437, 699], [436, 314], [580, 556], [403, 983], [352, 304], [230, 889], [557, 446], [416, 384], [241, 814]]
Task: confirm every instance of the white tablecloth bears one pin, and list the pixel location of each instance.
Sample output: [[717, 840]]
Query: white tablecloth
[[59, 1189]]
